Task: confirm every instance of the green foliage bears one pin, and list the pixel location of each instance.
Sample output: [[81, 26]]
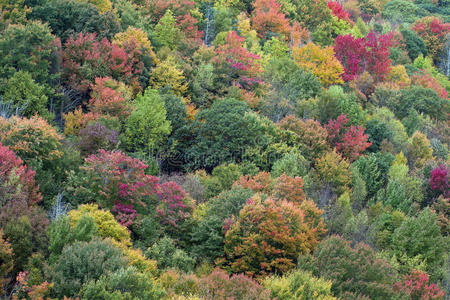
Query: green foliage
[[419, 149], [334, 102], [82, 262], [60, 234], [340, 214], [400, 11], [421, 99], [398, 134], [27, 48], [421, 236], [403, 191], [332, 171], [66, 18], [221, 179], [146, 231], [231, 103], [299, 285], [355, 270], [359, 190], [166, 34], [378, 132], [20, 236], [223, 132], [292, 164], [208, 235], [26, 95], [147, 127], [127, 283], [414, 43], [168, 256], [289, 82], [373, 169]]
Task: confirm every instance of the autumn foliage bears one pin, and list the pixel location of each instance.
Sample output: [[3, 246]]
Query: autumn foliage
[[267, 18], [433, 32], [338, 11], [17, 179], [321, 62], [350, 141], [242, 64], [416, 286], [370, 53], [85, 58], [268, 236]]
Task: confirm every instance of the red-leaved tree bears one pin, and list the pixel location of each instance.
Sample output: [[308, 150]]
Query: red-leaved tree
[[439, 180], [239, 66], [85, 58], [434, 33], [16, 179], [370, 53], [350, 141], [338, 11], [416, 287]]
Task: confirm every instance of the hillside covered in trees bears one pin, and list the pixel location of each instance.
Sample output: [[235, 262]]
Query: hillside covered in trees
[[228, 149]]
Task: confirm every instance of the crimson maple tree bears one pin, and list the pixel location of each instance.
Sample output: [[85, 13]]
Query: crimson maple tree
[[370, 53], [350, 141]]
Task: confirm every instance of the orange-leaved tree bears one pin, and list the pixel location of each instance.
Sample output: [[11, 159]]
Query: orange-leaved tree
[[268, 237]]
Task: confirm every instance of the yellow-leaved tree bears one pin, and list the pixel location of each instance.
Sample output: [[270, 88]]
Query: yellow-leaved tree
[[321, 62]]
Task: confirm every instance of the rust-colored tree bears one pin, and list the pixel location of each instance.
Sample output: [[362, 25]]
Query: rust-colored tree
[[268, 19], [268, 237]]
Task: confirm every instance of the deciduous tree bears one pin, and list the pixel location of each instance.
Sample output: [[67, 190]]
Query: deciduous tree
[[268, 236], [321, 62]]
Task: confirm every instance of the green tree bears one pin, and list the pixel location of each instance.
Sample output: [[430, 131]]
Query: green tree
[[419, 149], [169, 256], [299, 285], [20, 235], [421, 236], [333, 102], [166, 33], [82, 262], [221, 179], [414, 43], [354, 270], [400, 11], [208, 235], [223, 132], [27, 96], [147, 126], [66, 18], [292, 164], [29, 48], [423, 100], [126, 283]]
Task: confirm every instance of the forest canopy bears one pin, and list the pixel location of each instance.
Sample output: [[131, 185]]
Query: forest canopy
[[227, 149]]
